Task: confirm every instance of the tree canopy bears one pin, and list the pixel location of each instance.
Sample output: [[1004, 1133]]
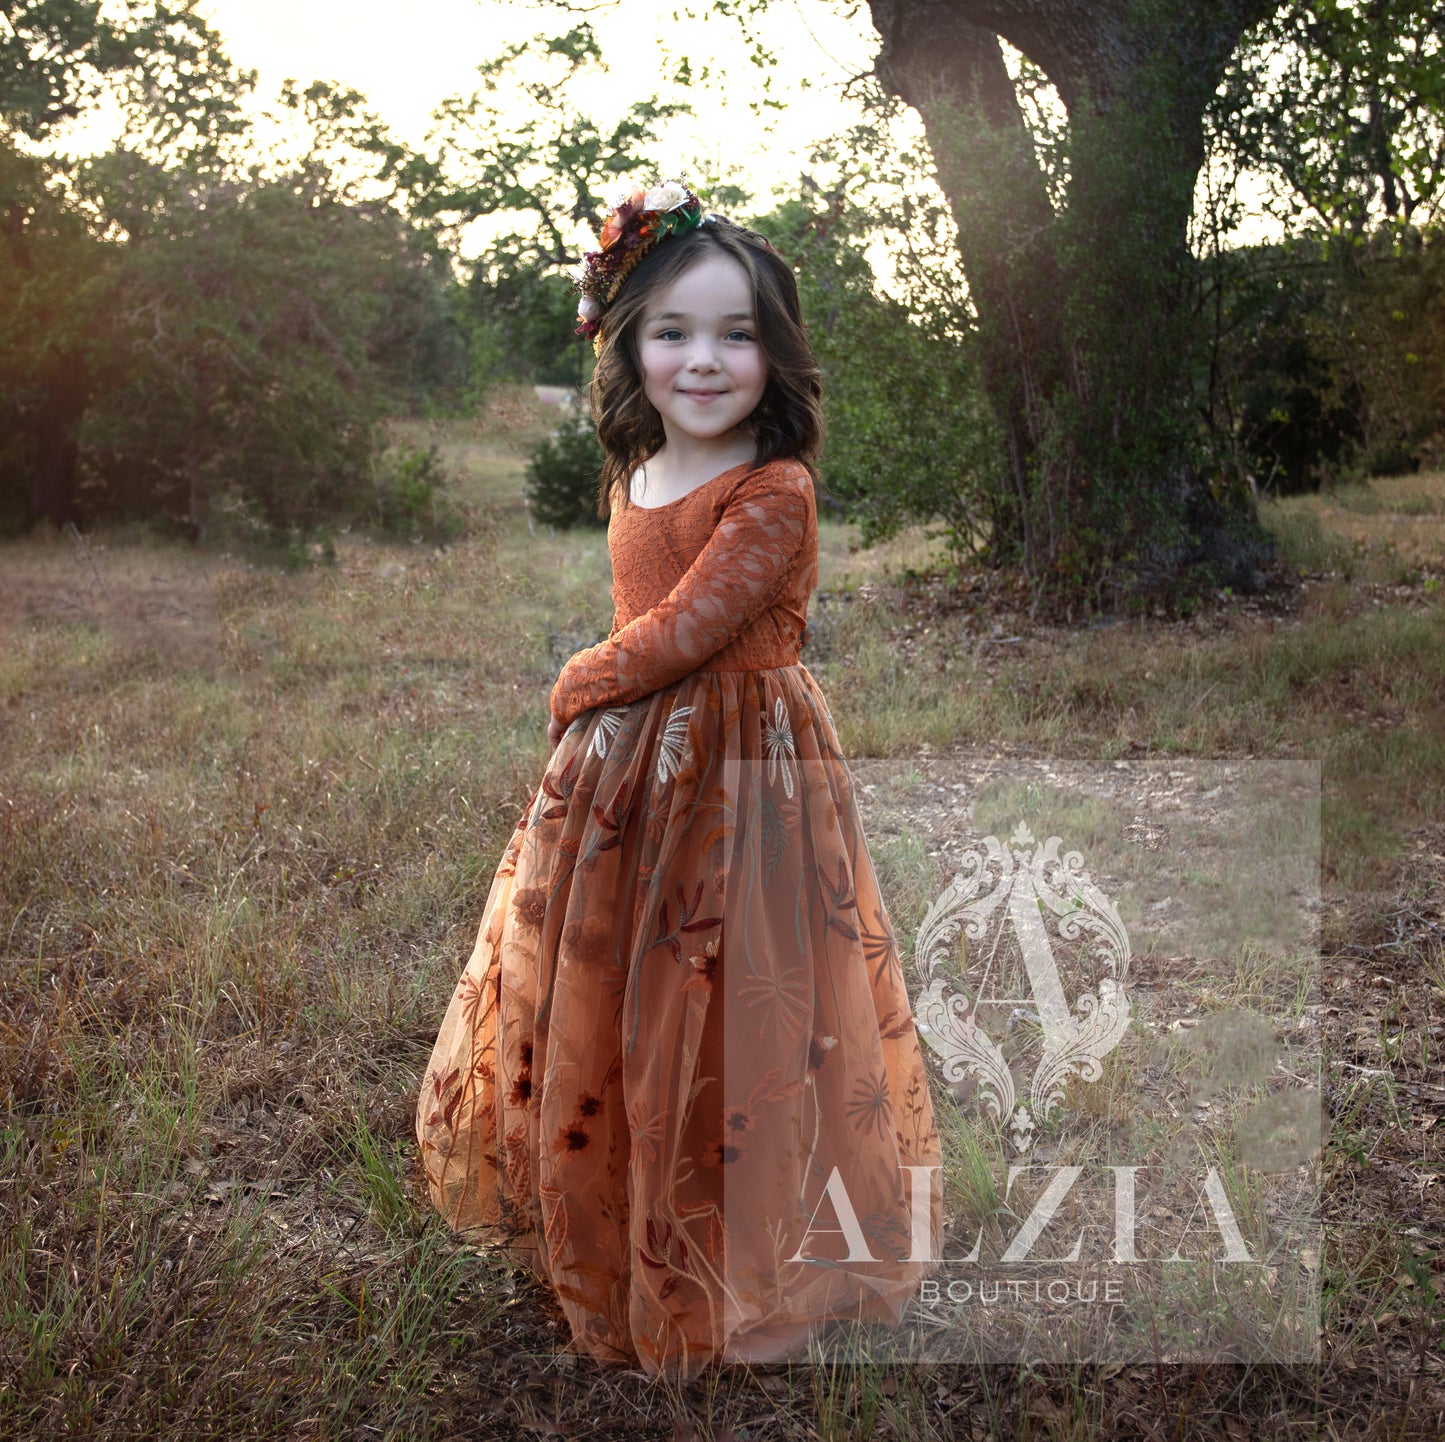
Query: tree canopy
[[189, 332], [1078, 367]]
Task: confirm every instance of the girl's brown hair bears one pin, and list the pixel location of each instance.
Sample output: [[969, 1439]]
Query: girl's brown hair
[[788, 421]]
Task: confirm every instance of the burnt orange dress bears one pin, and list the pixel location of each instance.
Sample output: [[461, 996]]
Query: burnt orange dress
[[679, 1075]]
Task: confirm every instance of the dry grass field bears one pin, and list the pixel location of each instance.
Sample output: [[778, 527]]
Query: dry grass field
[[248, 818]]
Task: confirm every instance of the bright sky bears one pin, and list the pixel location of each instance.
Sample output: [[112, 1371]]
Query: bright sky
[[407, 58]]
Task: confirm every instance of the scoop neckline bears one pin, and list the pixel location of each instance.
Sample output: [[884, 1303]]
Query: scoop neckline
[[702, 485]]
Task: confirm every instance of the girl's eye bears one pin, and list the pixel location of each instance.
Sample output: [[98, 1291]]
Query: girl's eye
[[671, 333], [739, 335]]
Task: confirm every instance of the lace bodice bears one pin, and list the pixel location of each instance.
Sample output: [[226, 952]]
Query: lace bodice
[[718, 580]]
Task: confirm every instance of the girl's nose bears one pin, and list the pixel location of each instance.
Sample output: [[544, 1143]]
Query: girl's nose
[[702, 356]]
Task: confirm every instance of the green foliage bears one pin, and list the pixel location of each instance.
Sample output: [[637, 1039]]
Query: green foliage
[[1052, 400], [52, 54], [43, 46], [518, 148], [1342, 104], [248, 355], [562, 476], [909, 429], [193, 336], [1328, 347], [520, 317], [188, 331], [159, 60], [58, 291], [410, 495], [1329, 366], [1130, 424]]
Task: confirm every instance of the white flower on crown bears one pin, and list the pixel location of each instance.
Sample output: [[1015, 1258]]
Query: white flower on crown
[[667, 196], [589, 308]]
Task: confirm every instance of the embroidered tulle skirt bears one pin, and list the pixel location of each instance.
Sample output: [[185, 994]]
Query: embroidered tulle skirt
[[679, 1076]]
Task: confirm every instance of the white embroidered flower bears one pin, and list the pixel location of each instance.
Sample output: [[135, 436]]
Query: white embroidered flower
[[778, 741], [674, 738], [667, 196], [607, 724]]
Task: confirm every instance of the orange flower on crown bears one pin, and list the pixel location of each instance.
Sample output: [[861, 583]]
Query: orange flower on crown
[[627, 207]]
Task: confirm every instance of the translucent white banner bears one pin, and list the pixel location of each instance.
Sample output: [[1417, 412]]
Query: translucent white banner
[[1112, 972]]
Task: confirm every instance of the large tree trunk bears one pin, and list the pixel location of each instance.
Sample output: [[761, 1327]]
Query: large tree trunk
[[952, 72], [1083, 314]]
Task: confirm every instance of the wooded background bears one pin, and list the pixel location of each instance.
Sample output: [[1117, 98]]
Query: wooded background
[[1080, 369]]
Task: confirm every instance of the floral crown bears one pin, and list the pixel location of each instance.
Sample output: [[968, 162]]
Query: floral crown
[[639, 219]]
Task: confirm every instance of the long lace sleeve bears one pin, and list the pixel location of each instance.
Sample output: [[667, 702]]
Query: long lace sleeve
[[733, 579]]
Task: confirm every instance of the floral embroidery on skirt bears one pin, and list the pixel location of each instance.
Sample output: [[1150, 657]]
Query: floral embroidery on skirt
[[679, 1075]]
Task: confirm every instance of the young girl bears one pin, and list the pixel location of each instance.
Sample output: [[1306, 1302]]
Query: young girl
[[679, 1076]]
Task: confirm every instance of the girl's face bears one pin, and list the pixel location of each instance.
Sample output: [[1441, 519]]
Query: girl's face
[[702, 366]]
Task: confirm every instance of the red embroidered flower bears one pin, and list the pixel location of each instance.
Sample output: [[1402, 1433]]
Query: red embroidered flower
[[573, 1139], [721, 1152], [737, 1120]]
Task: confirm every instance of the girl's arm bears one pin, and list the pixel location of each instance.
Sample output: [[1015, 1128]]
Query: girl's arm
[[733, 580]]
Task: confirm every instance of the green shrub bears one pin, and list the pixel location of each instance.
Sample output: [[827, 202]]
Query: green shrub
[[410, 496], [1332, 362], [562, 476]]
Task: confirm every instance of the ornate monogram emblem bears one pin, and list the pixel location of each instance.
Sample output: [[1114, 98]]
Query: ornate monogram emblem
[[1018, 886]]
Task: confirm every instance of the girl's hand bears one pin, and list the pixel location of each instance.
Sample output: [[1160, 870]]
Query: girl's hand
[[554, 732]]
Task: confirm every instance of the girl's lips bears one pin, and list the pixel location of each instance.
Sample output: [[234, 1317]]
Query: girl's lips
[[703, 395]]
